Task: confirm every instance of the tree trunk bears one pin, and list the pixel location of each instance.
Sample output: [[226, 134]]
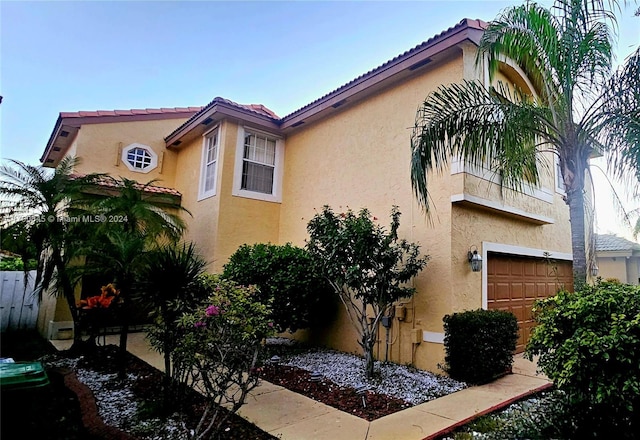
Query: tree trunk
[[124, 334], [368, 357], [576, 166], [576, 216]]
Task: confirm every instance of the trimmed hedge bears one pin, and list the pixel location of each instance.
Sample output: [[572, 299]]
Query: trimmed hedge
[[479, 344], [588, 343], [287, 276]]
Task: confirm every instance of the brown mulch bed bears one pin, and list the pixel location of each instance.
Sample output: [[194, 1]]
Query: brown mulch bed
[[367, 405]]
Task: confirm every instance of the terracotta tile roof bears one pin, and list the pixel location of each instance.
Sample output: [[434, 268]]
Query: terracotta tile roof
[[466, 22], [254, 108], [109, 182], [610, 242], [131, 112]]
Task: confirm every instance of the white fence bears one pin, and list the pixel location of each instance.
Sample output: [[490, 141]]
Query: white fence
[[18, 307]]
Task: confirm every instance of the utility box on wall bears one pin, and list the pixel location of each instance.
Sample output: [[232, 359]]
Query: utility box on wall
[[416, 335]]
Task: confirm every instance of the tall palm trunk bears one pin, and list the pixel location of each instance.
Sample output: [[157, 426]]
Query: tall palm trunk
[[575, 185], [576, 214]]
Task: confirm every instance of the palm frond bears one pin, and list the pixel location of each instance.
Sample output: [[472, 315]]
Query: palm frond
[[530, 36], [614, 120], [481, 126]]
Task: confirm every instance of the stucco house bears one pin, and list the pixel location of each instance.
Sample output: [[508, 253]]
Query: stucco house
[[618, 258], [249, 176]]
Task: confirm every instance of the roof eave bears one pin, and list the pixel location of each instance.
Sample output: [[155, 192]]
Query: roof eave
[[59, 142], [62, 136], [402, 67], [218, 111]]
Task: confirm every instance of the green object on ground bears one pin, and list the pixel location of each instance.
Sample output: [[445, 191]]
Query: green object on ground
[[22, 375]]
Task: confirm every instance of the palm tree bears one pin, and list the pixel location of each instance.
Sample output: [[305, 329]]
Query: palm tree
[[169, 286], [581, 106], [136, 219], [35, 203]]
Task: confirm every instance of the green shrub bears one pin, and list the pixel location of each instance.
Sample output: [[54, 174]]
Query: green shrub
[[479, 344], [589, 345], [16, 264], [285, 276]]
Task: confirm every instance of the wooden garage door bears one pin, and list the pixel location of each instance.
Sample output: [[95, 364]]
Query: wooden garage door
[[514, 283]]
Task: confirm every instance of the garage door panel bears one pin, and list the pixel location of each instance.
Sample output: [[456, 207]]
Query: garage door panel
[[530, 290], [501, 268], [503, 291], [530, 270], [520, 312], [517, 269], [514, 283], [543, 290], [517, 291]]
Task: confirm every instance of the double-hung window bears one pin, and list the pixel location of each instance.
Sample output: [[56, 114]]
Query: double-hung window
[[258, 165], [208, 172]]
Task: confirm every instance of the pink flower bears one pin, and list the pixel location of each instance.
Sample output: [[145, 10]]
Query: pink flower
[[270, 324], [212, 310], [200, 324]]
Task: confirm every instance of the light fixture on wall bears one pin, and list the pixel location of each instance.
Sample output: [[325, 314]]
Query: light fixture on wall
[[474, 258], [594, 269]]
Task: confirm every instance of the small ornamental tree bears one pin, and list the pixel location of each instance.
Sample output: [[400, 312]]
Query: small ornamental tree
[[366, 265], [285, 275], [588, 343], [218, 349]]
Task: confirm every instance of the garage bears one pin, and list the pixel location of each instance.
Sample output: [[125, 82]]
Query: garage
[[515, 282]]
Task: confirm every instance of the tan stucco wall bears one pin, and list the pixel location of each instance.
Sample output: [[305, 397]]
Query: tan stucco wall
[[99, 147], [202, 224], [223, 222], [360, 157], [622, 268]]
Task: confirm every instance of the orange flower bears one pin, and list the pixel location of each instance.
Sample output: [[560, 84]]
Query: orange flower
[[107, 295]]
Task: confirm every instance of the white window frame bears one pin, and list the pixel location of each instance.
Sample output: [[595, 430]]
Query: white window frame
[[202, 192], [276, 194], [153, 164], [559, 183]]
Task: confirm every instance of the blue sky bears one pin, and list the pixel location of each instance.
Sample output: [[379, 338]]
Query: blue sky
[[89, 55]]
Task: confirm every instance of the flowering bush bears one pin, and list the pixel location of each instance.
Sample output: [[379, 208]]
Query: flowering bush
[[218, 347], [107, 295], [96, 312]]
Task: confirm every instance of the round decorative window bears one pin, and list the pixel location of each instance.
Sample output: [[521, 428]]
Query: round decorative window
[[140, 158]]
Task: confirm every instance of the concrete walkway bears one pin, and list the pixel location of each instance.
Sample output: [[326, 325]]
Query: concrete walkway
[[291, 416]]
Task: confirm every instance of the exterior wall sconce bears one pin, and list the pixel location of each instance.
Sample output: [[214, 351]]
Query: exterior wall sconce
[[594, 269], [475, 260]]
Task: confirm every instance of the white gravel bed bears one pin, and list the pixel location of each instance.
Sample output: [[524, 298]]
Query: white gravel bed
[[118, 406], [407, 383]]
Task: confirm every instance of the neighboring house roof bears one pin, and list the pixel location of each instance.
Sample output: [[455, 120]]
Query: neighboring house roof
[[392, 71], [69, 123], [613, 243]]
